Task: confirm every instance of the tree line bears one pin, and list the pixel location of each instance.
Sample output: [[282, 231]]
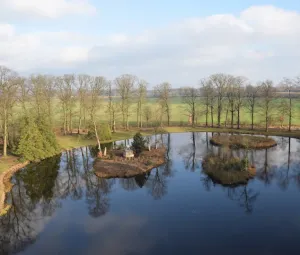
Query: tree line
[[33, 107]]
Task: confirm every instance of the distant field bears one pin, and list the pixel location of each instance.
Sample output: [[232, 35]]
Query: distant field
[[179, 114]]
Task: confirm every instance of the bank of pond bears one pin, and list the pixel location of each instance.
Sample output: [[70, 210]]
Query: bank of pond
[[179, 180]]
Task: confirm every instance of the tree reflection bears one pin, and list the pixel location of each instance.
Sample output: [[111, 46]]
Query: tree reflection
[[157, 184], [244, 196], [70, 180], [188, 152], [266, 173], [168, 171], [31, 198], [97, 190]]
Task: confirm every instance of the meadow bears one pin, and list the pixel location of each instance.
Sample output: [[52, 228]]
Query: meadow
[[180, 116]]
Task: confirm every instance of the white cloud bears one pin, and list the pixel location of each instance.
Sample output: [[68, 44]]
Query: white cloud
[[261, 42], [47, 8]]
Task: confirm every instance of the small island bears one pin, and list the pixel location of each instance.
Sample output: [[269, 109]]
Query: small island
[[125, 163], [243, 141], [228, 170]]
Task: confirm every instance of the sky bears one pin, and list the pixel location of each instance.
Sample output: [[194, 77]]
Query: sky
[[179, 42]]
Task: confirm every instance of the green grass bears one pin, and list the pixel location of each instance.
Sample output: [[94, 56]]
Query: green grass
[[272, 132], [75, 141]]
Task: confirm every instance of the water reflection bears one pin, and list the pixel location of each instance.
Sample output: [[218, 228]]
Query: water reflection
[[65, 187]]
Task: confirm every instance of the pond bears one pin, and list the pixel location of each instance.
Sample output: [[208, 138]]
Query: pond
[[60, 207]]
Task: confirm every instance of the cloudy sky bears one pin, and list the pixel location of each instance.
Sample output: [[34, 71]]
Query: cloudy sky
[[157, 40]]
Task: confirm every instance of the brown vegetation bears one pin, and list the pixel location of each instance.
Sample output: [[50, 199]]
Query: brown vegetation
[[228, 171], [116, 166], [6, 185], [243, 141]]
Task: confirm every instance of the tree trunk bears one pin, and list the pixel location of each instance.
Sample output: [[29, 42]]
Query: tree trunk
[[65, 121], [238, 118], [226, 117], [141, 119], [5, 135], [231, 118], [252, 118], [80, 117], [212, 116], [290, 113], [206, 117], [97, 137]]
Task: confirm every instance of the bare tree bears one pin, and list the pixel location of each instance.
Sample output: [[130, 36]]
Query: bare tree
[[268, 93], [83, 84], [251, 100], [231, 97], [97, 87], [163, 91], [113, 107], [42, 90], [147, 114], [65, 86], [239, 87], [206, 92], [190, 97], [220, 83], [141, 96], [8, 98], [125, 85], [288, 85]]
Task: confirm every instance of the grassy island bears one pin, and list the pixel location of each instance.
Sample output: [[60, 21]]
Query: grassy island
[[243, 141], [229, 170]]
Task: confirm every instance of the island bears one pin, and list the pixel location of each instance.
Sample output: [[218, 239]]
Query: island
[[130, 162], [228, 170], [242, 141]]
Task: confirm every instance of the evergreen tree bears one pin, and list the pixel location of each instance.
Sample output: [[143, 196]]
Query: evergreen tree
[[138, 143], [37, 141], [31, 141]]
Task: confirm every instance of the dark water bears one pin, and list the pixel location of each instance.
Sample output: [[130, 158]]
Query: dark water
[[60, 207]]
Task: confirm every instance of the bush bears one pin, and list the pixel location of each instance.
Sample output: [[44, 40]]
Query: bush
[[104, 132], [138, 143]]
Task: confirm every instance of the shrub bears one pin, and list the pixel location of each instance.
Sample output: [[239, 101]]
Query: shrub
[[138, 143], [104, 132]]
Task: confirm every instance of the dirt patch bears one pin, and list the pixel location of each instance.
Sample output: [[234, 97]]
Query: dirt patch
[[243, 141], [228, 171], [119, 167]]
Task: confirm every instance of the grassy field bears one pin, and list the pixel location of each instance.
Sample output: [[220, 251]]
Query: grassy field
[[179, 113]]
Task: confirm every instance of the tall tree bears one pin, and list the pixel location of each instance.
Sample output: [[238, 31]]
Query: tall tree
[[163, 91], [239, 94], [84, 81], [220, 83], [190, 98], [205, 92], [97, 87], [141, 97], [252, 93], [8, 98], [113, 107], [268, 93], [231, 98], [65, 87], [288, 86], [125, 85]]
